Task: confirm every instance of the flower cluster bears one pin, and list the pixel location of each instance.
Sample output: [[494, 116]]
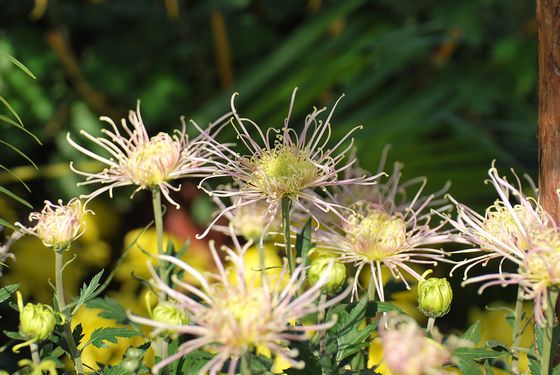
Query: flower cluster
[[232, 317]]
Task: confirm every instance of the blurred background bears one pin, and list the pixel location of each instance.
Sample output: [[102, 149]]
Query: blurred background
[[450, 85]]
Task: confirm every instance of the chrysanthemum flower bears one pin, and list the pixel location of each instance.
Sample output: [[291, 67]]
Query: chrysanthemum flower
[[372, 237], [522, 234], [57, 225], [407, 351], [147, 162], [233, 318], [284, 164]]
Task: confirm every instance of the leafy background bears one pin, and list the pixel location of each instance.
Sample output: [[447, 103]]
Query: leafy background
[[451, 85]]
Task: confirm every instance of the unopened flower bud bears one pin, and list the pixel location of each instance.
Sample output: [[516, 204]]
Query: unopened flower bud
[[36, 321], [130, 365], [336, 277], [169, 313], [434, 296], [134, 353]]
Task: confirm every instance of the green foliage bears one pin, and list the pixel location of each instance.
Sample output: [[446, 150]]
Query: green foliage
[[110, 334], [303, 242], [110, 309], [87, 291], [7, 290]]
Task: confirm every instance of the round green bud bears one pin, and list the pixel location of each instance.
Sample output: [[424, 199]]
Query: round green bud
[[434, 296], [336, 277], [36, 321], [130, 365], [170, 313], [134, 353]]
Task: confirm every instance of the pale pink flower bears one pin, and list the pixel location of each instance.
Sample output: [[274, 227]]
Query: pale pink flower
[[521, 234], [407, 351], [135, 158], [57, 225], [282, 163], [230, 318]]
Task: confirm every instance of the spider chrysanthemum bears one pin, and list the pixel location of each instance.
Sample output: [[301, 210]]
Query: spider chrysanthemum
[[232, 317], [518, 232], [373, 237], [57, 225], [282, 163], [135, 158]]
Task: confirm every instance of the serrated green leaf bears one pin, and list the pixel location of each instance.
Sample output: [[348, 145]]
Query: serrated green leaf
[[193, 362], [115, 370], [381, 307], [87, 291], [110, 309], [14, 335], [110, 334], [477, 353], [303, 243], [473, 333], [467, 366], [7, 291]]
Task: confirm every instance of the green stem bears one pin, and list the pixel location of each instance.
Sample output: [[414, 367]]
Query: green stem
[[158, 219], [430, 326], [59, 286], [546, 356], [161, 342], [245, 364], [517, 331], [286, 207], [35, 354], [322, 333], [371, 289], [262, 261]]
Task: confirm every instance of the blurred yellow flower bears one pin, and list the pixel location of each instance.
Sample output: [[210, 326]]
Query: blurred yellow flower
[[273, 263], [141, 243]]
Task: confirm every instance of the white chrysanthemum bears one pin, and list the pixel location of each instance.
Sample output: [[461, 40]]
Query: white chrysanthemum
[[147, 162], [521, 234], [231, 318], [372, 237], [284, 164], [57, 225]]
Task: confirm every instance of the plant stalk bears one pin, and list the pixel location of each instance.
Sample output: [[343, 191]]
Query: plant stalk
[[546, 356], [286, 208], [161, 342], [517, 333], [371, 289], [35, 354], [430, 326], [59, 286], [245, 364]]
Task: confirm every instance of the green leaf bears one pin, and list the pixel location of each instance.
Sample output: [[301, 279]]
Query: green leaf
[[87, 291], [14, 196], [20, 127], [477, 353], [467, 366], [303, 243], [7, 291], [20, 65], [110, 309], [488, 370], [7, 224], [473, 333], [115, 370], [100, 335], [11, 109], [193, 362]]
